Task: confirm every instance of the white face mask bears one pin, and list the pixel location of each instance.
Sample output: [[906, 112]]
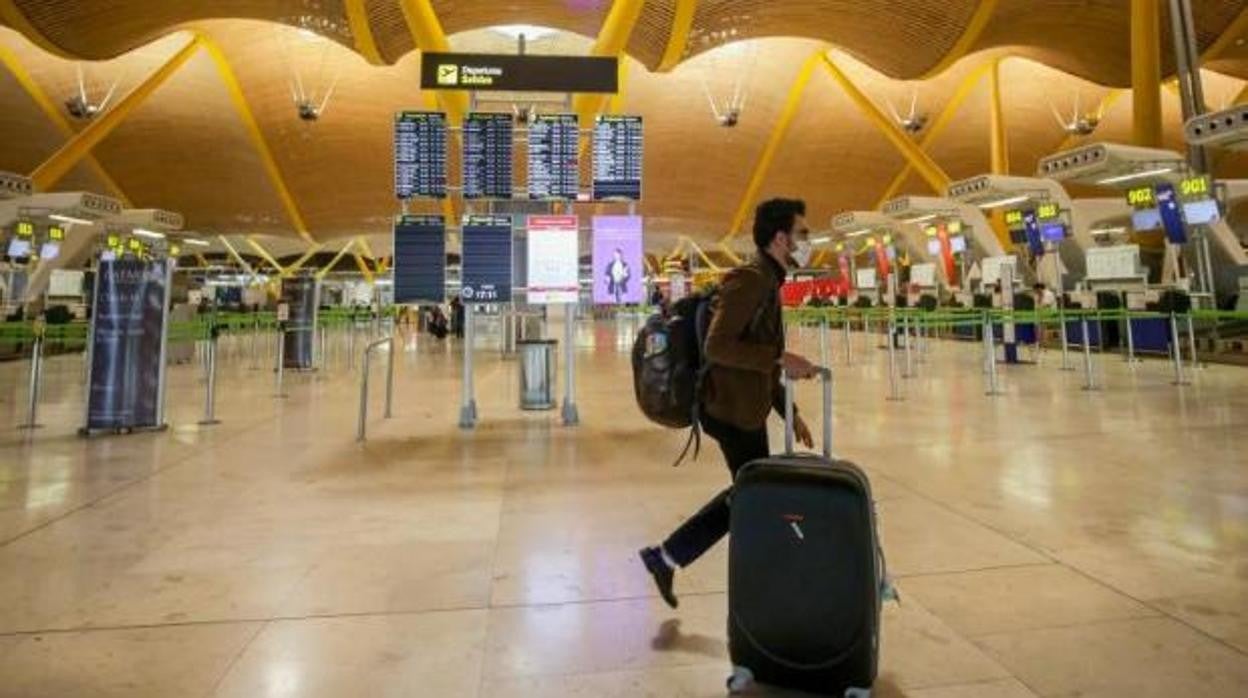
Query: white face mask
[[801, 253]]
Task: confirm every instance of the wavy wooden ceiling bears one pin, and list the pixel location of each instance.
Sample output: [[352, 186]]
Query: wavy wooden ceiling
[[901, 38], [186, 150]]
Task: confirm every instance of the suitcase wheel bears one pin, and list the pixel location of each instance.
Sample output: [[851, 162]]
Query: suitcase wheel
[[741, 679], [857, 693]]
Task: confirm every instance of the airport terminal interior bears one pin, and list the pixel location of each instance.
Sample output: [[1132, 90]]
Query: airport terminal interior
[[331, 334]]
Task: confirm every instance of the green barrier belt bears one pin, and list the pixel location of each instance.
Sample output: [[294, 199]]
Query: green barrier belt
[[970, 317]]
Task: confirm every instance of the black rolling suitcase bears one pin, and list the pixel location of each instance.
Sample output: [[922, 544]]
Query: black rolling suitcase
[[806, 575]]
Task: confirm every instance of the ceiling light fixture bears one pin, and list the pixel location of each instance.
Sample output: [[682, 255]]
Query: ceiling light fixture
[[821, 240], [1107, 231], [997, 203], [145, 233], [70, 219], [922, 218], [1136, 175], [196, 242]]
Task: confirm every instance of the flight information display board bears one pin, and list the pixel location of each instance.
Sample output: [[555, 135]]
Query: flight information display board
[[554, 162], [419, 259], [487, 259], [420, 154], [487, 156], [617, 157]]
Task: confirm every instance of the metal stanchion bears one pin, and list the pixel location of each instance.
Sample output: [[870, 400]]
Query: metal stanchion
[[351, 343], [36, 380], [849, 352], [1061, 320], [990, 357], [281, 361], [894, 390], [1089, 380], [1191, 342], [1130, 342], [823, 341], [905, 333], [571, 415], [390, 376], [210, 393], [468, 401], [361, 425], [1176, 352]]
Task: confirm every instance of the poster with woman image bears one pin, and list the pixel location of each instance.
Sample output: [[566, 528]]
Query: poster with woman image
[[618, 268]]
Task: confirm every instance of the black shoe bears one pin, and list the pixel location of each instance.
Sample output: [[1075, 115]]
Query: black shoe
[[662, 573]]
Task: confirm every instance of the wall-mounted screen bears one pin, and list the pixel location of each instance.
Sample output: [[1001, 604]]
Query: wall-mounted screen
[[1146, 219], [933, 247], [554, 157], [50, 250], [1053, 232], [419, 259], [1201, 212], [19, 248], [618, 149], [957, 244], [617, 260], [420, 154], [487, 156]]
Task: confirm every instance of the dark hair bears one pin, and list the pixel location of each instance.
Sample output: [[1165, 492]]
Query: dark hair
[[775, 216]]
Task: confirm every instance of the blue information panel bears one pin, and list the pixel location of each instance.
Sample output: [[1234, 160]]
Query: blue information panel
[[487, 259], [420, 154], [419, 259]]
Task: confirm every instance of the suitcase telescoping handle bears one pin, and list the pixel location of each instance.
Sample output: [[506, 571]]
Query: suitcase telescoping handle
[[825, 378]]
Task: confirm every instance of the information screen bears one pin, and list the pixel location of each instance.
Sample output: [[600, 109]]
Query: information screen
[[554, 163], [617, 260], [1053, 232], [487, 259], [419, 259], [553, 259], [19, 248], [618, 150], [487, 156], [420, 154], [50, 250]]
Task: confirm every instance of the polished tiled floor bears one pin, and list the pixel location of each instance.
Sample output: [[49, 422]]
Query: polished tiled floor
[[1047, 542]]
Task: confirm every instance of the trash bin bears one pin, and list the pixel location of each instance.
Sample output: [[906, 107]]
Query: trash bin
[[537, 374]]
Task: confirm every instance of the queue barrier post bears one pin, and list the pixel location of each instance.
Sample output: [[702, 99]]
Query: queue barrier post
[[366, 362]]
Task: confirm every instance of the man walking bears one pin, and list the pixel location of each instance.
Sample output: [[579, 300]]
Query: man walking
[[745, 350]]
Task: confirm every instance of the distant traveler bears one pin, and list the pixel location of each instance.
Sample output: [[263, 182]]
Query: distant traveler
[[457, 317], [617, 276], [745, 350], [437, 322], [1045, 298]]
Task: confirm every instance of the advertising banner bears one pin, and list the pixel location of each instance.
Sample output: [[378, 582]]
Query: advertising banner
[[553, 259], [128, 329], [299, 293], [618, 265]]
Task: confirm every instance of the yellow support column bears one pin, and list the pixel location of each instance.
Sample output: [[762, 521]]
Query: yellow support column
[[921, 161], [264, 254], [1146, 72], [235, 90], [778, 132], [362, 31], [678, 37], [428, 35], [1000, 143], [303, 259], [612, 39], [937, 127], [337, 258], [56, 116], [62, 161]]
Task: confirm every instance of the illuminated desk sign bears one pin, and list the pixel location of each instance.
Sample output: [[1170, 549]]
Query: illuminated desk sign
[[1195, 188], [1142, 197], [483, 71], [1013, 219], [1047, 212], [1199, 205], [56, 233]]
